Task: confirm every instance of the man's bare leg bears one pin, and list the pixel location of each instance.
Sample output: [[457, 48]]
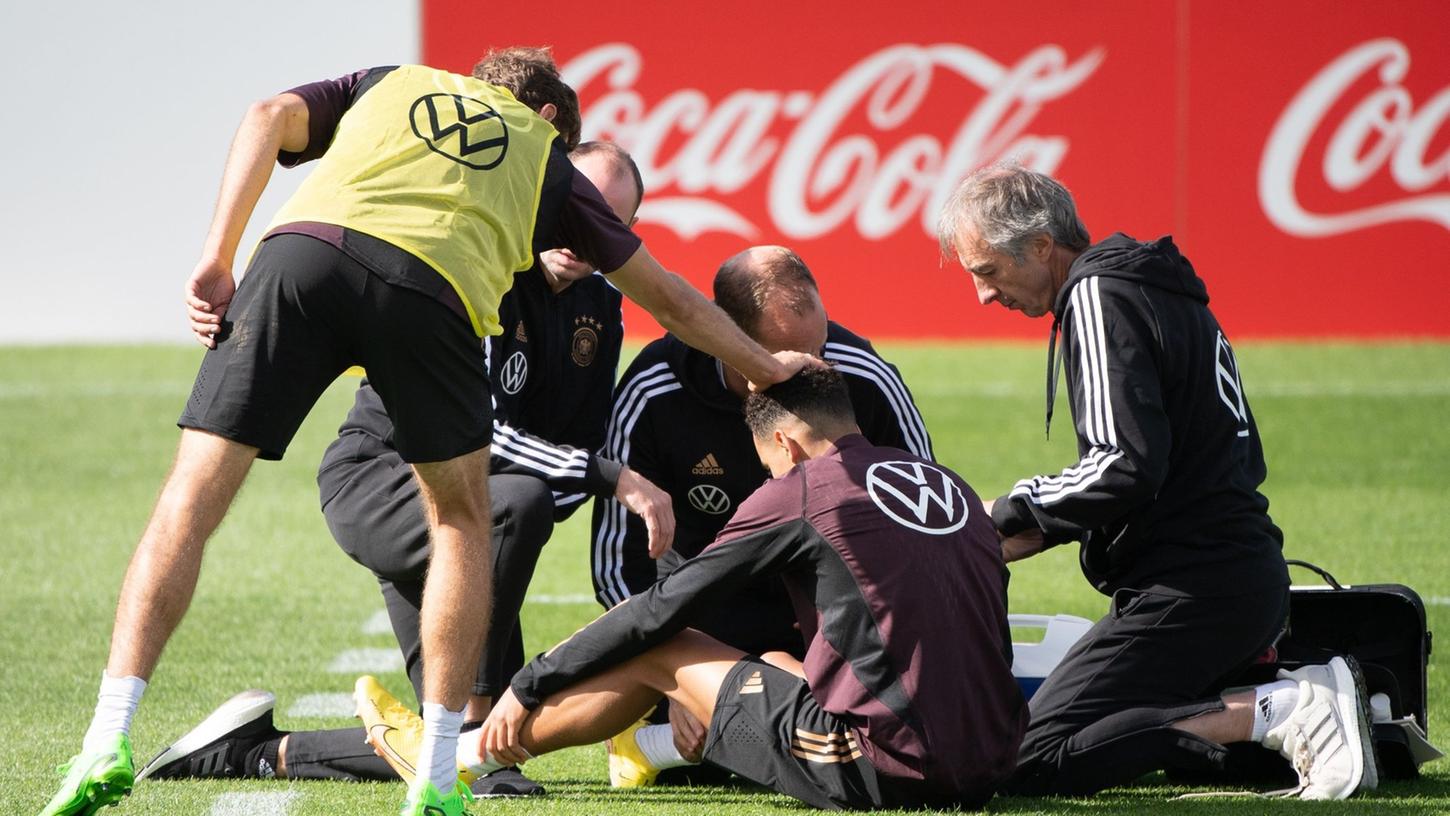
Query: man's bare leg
[[689, 669], [457, 601], [205, 478], [1235, 723], [157, 589], [161, 578]]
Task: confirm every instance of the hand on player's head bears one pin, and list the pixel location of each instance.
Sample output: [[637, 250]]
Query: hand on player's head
[[791, 363]]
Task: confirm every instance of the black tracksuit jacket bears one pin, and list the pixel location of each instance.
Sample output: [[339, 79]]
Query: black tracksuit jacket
[[1165, 496]]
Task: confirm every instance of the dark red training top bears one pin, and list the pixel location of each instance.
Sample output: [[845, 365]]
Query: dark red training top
[[896, 574]]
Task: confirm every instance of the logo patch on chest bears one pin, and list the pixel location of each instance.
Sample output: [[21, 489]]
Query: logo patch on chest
[[584, 347], [708, 467], [708, 498], [514, 374]]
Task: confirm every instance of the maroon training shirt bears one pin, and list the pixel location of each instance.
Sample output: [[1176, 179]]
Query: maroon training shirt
[[896, 574]]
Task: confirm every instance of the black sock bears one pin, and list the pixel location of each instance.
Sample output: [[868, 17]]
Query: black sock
[[261, 759], [471, 725]]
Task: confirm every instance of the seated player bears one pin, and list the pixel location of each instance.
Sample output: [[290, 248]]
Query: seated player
[[906, 695], [677, 420], [554, 364]]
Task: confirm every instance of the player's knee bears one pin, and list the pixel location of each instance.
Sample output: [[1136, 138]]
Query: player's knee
[[453, 500], [525, 504]]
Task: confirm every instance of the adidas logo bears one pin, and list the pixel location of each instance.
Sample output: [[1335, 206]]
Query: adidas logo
[[838, 748], [753, 684], [210, 763], [708, 467]]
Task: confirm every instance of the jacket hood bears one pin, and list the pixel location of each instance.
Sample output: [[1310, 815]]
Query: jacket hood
[[699, 374], [1150, 263]]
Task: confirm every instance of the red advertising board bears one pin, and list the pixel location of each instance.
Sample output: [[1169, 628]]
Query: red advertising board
[[1298, 151]]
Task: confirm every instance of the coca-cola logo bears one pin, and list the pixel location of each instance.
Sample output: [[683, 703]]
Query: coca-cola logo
[[1383, 131], [825, 170]]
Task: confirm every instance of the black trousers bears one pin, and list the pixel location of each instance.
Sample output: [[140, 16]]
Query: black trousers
[[378, 520], [1104, 716]]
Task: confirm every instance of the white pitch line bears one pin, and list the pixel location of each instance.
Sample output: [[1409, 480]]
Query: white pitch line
[[323, 704], [367, 661], [1437, 600], [378, 624], [277, 803], [1352, 389], [559, 600], [159, 388], [1385, 390]]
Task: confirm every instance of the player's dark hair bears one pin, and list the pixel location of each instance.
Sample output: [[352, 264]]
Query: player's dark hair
[[531, 75], [817, 395], [619, 155], [745, 283]]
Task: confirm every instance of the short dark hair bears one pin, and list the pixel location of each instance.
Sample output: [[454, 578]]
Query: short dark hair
[[743, 288], [619, 155], [531, 75], [817, 395]]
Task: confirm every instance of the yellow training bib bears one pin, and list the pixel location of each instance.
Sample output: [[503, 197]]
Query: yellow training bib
[[444, 166]]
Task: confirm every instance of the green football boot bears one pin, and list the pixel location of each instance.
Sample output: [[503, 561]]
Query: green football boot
[[429, 802], [94, 780]]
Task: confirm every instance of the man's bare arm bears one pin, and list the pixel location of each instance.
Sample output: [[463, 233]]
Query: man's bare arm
[[272, 125], [687, 314]]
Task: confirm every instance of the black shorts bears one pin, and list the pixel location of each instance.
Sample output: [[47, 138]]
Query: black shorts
[[769, 729], [304, 313]]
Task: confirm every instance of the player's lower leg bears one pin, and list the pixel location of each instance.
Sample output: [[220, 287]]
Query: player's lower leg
[[456, 604], [156, 591]]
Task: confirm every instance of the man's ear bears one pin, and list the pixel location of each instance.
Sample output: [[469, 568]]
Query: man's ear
[[548, 111], [779, 439], [1042, 245], [797, 453]]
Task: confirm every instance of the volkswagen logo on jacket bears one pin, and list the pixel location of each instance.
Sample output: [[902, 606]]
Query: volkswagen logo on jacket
[[708, 498]]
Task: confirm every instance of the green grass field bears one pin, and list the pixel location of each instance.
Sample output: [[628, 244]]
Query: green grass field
[[1356, 436]]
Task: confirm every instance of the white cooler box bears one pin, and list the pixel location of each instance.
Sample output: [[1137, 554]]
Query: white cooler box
[[1032, 662]]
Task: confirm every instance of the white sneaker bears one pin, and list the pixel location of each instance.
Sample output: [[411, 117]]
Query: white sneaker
[[1327, 738]]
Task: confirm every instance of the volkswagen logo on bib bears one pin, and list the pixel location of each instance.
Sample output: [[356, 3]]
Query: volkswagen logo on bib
[[917, 496], [708, 498], [515, 372], [466, 130]]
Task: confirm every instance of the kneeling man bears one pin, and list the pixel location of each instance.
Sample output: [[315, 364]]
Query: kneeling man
[[906, 696]]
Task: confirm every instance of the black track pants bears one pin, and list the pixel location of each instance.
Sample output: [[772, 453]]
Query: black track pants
[[1104, 717]]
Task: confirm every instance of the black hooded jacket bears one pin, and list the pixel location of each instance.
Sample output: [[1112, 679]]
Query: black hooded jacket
[[1165, 495]]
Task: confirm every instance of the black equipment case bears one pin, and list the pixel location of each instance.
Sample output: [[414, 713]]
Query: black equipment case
[[1380, 625]]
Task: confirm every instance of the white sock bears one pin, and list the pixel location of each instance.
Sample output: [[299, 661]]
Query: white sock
[[438, 759], [657, 743], [115, 706], [1273, 703], [472, 756]]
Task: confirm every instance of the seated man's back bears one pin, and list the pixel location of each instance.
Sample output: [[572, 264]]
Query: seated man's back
[[900, 591]]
